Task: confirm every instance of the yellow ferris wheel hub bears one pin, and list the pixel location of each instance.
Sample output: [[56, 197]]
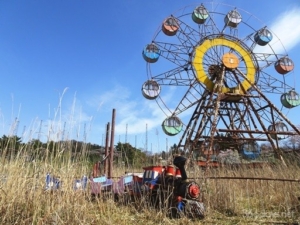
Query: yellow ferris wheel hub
[[229, 60]]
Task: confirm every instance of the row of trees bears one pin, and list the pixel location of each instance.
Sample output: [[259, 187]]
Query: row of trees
[[10, 146], [125, 154]]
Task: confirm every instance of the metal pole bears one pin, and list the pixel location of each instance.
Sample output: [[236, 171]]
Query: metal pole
[[111, 152]]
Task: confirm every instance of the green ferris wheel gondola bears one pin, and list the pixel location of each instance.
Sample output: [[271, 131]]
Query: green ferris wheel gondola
[[200, 14], [290, 99], [172, 126]]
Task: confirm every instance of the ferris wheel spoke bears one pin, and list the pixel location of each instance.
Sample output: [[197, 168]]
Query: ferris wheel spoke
[[210, 27], [210, 60], [266, 59], [215, 55], [179, 49], [179, 76], [270, 84], [187, 35], [174, 53], [190, 98]]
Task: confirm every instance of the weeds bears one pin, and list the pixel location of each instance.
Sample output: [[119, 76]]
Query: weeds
[[23, 199]]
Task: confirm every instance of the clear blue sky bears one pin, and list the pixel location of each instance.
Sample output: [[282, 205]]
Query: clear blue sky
[[65, 65]]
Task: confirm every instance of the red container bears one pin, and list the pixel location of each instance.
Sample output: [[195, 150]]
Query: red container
[[170, 170], [178, 173]]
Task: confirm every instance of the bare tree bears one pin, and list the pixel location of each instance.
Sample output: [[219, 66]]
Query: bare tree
[[293, 142]]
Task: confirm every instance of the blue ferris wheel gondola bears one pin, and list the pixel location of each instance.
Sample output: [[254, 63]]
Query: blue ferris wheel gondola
[[151, 53], [263, 37], [251, 150]]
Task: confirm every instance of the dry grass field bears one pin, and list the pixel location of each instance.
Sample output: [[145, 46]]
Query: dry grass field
[[23, 199]]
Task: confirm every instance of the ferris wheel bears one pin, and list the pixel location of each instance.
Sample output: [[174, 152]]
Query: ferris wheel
[[222, 78]]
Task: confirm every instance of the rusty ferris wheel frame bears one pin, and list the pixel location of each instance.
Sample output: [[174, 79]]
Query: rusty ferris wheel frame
[[233, 84]]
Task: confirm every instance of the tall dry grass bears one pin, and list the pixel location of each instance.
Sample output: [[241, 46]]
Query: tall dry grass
[[23, 199]]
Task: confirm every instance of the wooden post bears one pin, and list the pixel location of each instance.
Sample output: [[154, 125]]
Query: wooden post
[[111, 152], [106, 164]]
